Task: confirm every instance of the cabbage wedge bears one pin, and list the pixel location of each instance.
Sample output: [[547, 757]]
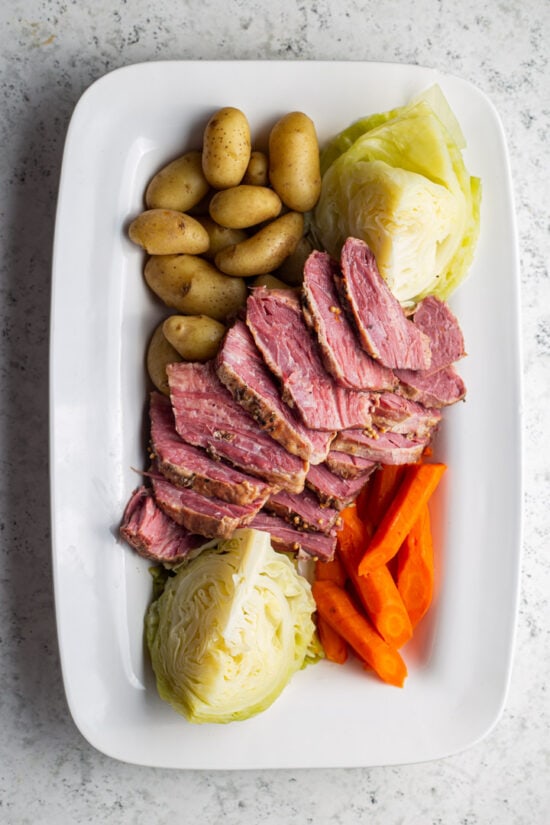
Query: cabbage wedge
[[230, 630], [398, 181]]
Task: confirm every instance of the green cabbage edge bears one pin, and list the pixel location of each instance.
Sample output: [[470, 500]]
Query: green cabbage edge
[[422, 139]]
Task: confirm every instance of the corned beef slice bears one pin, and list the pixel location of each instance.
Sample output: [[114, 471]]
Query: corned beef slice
[[342, 355], [276, 322], [432, 389], [332, 489], [436, 320], [386, 448], [287, 538], [207, 416], [189, 466], [152, 533], [383, 329], [400, 415], [303, 511], [439, 385], [209, 517], [349, 466], [241, 368]]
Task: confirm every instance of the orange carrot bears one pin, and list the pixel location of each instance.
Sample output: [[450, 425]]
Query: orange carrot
[[330, 571], [377, 591], [337, 608], [419, 482], [415, 568], [336, 648], [381, 490]]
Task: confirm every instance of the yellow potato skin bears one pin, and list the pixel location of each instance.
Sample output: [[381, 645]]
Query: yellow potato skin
[[270, 282], [294, 167], [160, 353], [265, 250], [226, 148], [244, 205], [195, 337], [291, 270], [193, 286], [220, 236], [168, 232], [179, 185], [257, 171]]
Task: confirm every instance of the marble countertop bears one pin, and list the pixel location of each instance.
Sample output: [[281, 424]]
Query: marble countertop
[[50, 51]]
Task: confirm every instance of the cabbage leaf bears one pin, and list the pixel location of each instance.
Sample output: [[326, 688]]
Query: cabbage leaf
[[398, 181], [230, 629]]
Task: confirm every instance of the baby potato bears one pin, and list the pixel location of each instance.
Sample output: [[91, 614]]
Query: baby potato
[[194, 286], [294, 167], [180, 185], [168, 232], [257, 171], [265, 250], [291, 270], [220, 236], [195, 337], [226, 148], [270, 281], [244, 205], [160, 353]]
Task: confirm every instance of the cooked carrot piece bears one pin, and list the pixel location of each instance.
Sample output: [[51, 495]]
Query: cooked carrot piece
[[414, 492], [337, 608], [331, 571], [377, 591], [335, 647], [378, 494], [415, 568]]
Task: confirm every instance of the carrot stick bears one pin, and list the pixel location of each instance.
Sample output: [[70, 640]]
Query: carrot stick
[[419, 482], [336, 607], [381, 490], [335, 647], [377, 591], [415, 568], [330, 571]]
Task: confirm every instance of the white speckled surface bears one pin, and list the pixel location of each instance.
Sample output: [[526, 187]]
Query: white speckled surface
[[49, 53]]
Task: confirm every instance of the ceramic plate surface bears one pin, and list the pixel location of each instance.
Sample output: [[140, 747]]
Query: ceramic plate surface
[[125, 127]]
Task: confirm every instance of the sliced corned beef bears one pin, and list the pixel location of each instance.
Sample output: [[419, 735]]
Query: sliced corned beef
[[333, 490], [402, 415], [287, 538], [207, 416], [241, 368], [382, 326], [342, 355], [439, 385], [152, 533], [349, 466], [209, 517], [432, 389], [303, 511], [436, 320], [189, 466], [277, 324], [386, 448]]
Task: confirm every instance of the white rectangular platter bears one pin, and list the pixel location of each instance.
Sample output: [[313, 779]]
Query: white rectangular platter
[[124, 128]]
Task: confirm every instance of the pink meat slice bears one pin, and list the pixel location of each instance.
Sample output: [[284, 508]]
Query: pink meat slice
[[153, 534], [241, 368], [277, 324], [383, 328], [342, 354], [207, 416]]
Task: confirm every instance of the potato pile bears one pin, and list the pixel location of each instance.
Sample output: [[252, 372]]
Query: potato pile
[[220, 220]]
